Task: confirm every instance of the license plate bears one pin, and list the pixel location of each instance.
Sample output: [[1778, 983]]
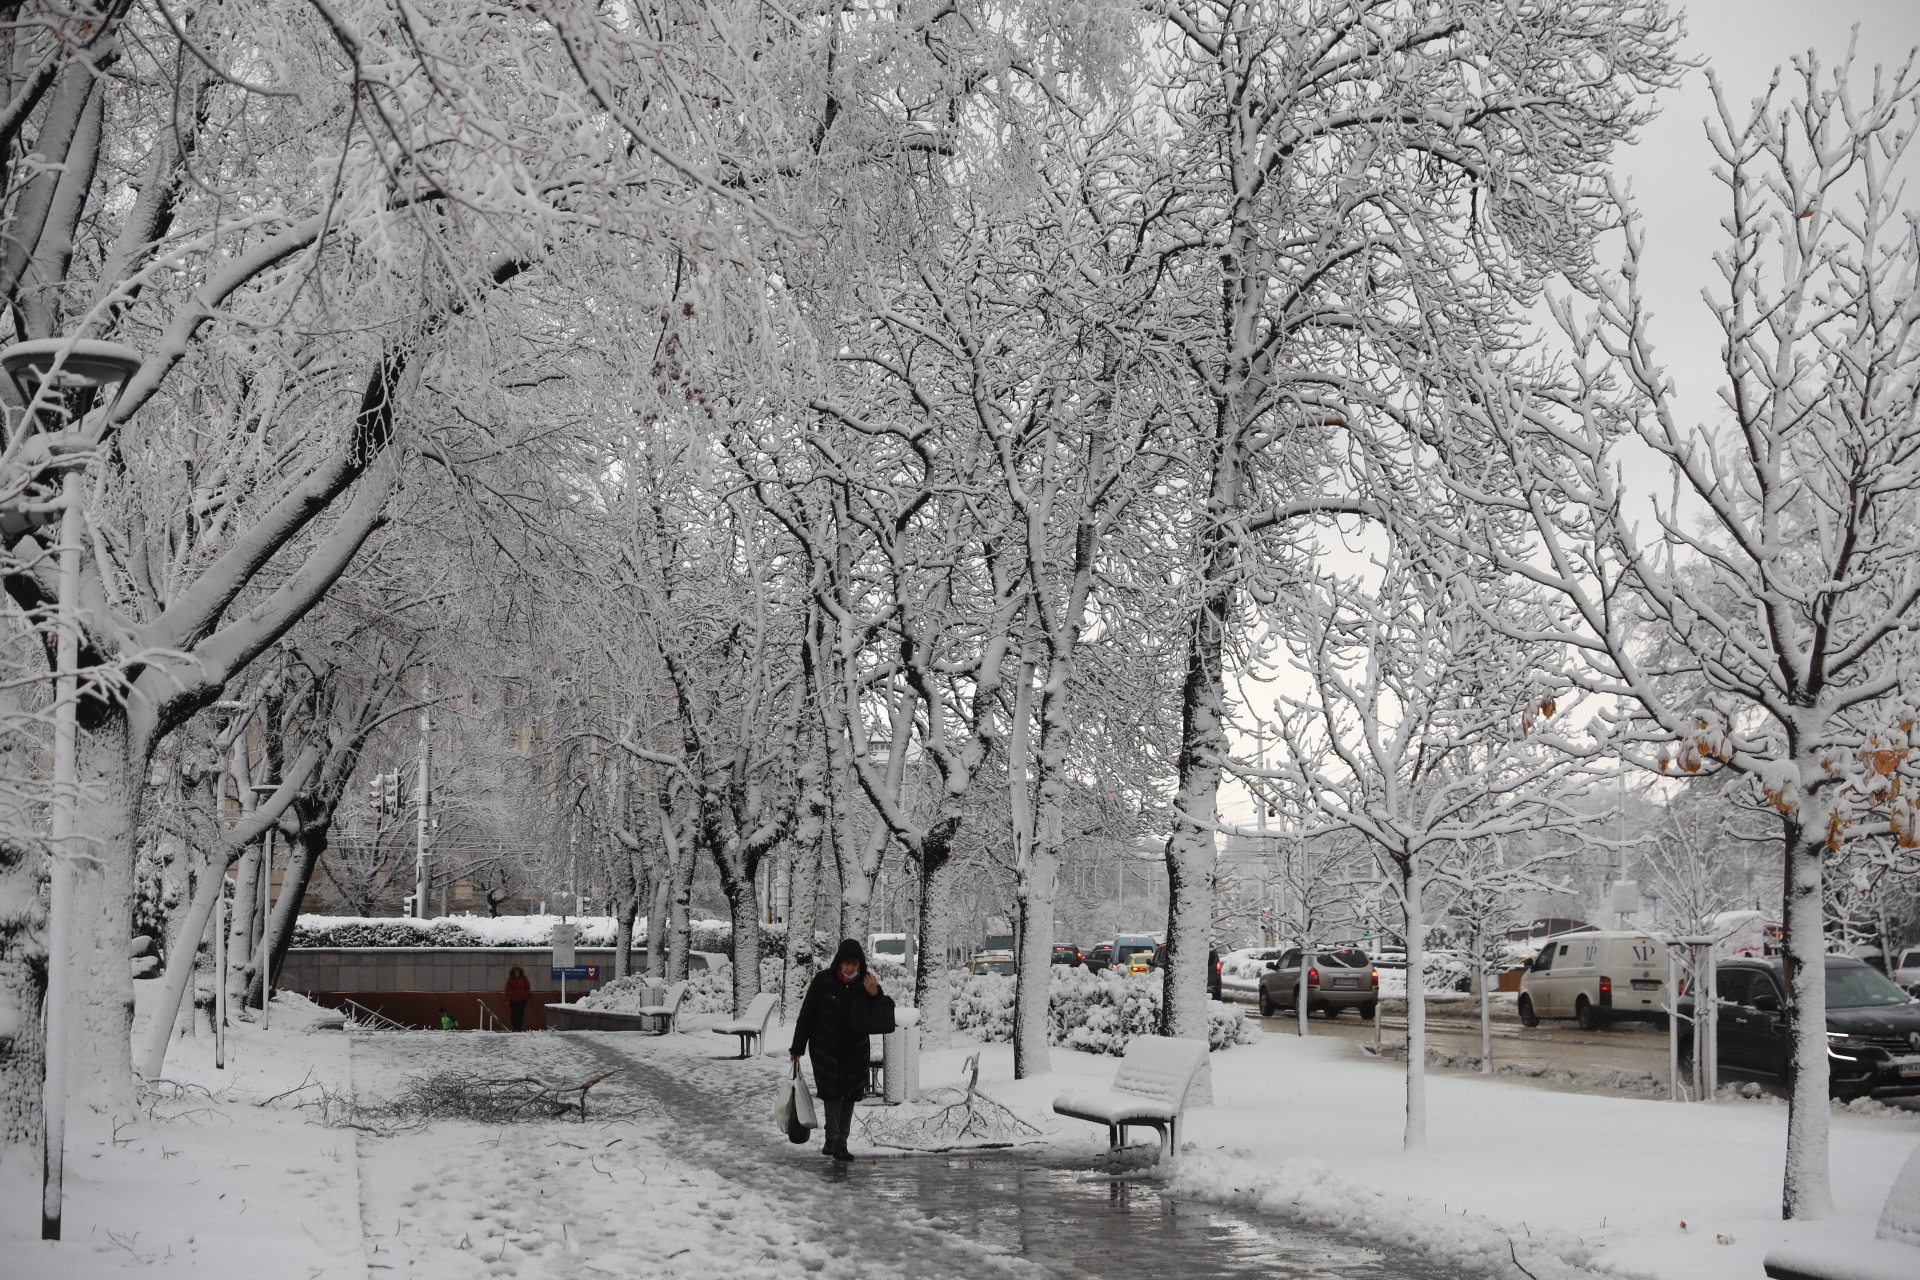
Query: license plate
[[1908, 1067], [1646, 984], [1346, 982]]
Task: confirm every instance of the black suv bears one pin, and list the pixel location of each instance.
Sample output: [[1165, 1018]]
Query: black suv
[[1066, 953], [1213, 968], [1873, 1027]]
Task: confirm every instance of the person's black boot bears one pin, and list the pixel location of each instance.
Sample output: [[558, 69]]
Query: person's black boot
[[841, 1153]]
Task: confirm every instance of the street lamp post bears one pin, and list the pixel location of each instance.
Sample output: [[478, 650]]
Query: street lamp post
[[264, 962], [62, 381]]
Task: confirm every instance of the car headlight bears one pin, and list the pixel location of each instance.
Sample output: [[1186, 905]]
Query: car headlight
[[1842, 1040]]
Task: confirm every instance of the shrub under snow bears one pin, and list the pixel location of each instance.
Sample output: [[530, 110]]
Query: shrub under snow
[[1091, 1012], [708, 991]]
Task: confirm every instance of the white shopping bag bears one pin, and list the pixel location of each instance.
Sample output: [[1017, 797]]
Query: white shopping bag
[[793, 1107]]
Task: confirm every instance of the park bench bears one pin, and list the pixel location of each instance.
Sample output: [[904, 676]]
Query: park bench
[[1150, 1088], [1892, 1254], [751, 1029], [668, 1010]]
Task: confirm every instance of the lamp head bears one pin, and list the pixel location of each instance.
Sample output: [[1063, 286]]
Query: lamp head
[[89, 375]]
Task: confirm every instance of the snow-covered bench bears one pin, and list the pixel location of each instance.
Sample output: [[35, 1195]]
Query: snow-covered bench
[[1892, 1254], [751, 1029], [668, 1009], [1150, 1088]]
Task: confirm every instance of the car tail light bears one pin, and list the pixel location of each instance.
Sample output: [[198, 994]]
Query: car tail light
[[1216, 966], [1606, 986], [1376, 977], [1313, 977]]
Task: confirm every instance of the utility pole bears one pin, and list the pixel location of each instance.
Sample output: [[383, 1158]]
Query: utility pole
[[424, 797]]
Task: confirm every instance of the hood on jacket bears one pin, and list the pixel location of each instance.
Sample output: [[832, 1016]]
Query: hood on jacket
[[850, 949]]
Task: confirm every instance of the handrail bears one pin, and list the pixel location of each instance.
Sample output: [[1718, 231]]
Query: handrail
[[489, 1016], [378, 1021]]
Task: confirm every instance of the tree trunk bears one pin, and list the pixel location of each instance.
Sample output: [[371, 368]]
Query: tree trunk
[[800, 928], [23, 988], [303, 855], [1806, 1191], [1416, 1132], [1033, 990], [1300, 983], [101, 1026], [743, 907], [930, 991], [657, 911], [680, 899], [246, 903], [624, 911], [1190, 848]]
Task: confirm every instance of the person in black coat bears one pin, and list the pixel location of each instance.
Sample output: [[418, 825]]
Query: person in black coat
[[842, 1001]]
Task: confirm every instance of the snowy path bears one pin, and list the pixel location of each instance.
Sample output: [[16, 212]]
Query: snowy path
[[646, 1196], [692, 1181]]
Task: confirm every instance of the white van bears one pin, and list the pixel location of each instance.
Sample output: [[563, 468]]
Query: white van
[[1597, 977], [1906, 968]]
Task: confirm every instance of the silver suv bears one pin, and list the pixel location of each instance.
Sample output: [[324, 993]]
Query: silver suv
[[1343, 979]]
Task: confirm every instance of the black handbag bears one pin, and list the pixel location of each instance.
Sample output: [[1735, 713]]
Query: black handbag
[[874, 1016]]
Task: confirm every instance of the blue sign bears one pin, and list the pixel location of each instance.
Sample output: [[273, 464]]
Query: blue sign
[[589, 972]]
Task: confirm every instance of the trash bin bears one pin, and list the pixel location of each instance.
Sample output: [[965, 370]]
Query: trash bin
[[901, 1066]]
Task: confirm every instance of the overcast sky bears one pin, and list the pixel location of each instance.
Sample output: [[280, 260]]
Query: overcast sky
[[1671, 171], [1671, 167]]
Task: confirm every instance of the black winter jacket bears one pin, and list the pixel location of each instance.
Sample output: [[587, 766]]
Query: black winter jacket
[[824, 1031]]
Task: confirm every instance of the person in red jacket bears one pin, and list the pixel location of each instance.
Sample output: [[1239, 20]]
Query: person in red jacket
[[519, 991]]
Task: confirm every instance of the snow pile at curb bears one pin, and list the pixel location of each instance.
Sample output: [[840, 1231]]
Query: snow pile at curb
[[1305, 1190], [1640, 1084], [1091, 1012]]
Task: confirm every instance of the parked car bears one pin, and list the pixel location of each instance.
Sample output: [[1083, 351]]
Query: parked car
[[1133, 952], [1906, 969], [1344, 979], [1597, 977], [1390, 958], [887, 946], [1101, 956], [1067, 953], [995, 962], [1873, 1027]]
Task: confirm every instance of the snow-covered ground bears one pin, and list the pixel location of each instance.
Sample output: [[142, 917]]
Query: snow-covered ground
[[1312, 1129], [678, 1172]]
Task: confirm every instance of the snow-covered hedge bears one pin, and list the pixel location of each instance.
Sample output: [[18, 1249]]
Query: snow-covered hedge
[[504, 931], [708, 991], [1443, 973], [1091, 1012]]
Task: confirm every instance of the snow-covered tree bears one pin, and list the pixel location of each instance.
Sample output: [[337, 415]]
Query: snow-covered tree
[[1422, 735], [1759, 618], [1346, 189]]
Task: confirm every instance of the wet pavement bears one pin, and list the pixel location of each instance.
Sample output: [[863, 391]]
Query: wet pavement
[[1077, 1223], [1018, 1212]]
